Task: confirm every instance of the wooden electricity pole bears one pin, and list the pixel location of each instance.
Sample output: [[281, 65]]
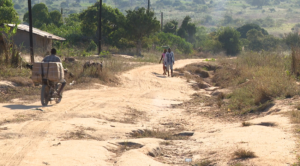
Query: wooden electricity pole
[[99, 27], [30, 32], [148, 5], [162, 20]]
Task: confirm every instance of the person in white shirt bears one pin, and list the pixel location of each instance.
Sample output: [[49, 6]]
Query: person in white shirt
[[170, 61]]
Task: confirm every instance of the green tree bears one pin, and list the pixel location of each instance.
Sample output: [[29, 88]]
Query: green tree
[[40, 15], [139, 24], [7, 12], [187, 30], [245, 28], [171, 27], [212, 43], [72, 19], [258, 41], [56, 18], [230, 40], [175, 42], [292, 39], [200, 37], [112, 23]]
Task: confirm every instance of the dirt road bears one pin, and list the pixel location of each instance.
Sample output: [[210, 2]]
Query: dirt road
[[89, 126]]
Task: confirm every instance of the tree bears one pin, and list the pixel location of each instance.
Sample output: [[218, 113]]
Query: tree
[[140, 23], [187, 30], [254, 35], [40, 15], [171, 27], [292, 39], [230, 40], [258, 41], [112, 23], [7, 12], [200, 37], [175, 42], [245, 28], [56, 18]]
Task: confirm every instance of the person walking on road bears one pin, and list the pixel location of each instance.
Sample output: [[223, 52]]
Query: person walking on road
[[170, 61], [163, 59]]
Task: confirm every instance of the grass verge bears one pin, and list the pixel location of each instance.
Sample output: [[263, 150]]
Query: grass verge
[[257, 79], [252, 81]]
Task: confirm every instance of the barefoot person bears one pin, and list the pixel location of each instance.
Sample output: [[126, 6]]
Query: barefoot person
[[163, 57], [170, 61]]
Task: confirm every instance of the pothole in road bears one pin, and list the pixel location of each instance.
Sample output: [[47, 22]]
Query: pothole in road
[[123, 147], [80, 135]]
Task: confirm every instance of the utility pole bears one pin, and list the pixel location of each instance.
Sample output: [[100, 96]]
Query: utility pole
[[162, 20], [99, 27], [148, 5], [62, 14], [30, 32]]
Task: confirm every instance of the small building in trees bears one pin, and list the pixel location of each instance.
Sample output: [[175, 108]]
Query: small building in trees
[[42, 41]]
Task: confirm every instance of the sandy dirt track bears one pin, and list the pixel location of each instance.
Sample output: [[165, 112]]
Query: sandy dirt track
[[37, 138]]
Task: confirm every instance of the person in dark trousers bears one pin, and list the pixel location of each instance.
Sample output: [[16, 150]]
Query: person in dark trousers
[[54, 58], [170, 61]]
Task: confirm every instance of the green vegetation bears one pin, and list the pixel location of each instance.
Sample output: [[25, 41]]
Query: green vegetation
[[139, 24], [198, 23], [229, 38], [41, 16], [7, 12]]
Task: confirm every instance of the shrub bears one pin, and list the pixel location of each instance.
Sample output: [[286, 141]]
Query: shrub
[[92, 46], [243, 154], [168, 39], [245, 28], [230, 39]]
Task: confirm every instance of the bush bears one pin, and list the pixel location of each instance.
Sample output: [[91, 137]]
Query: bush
[[292, 39], [92, 46], [230, 40], [258, 41], [245, 28], [173, 41]]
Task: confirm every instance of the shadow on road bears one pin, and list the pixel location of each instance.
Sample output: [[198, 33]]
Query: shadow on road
[[24, 107], [159, 75]]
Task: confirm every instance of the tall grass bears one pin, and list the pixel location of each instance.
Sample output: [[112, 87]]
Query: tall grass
[[257, 78]]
